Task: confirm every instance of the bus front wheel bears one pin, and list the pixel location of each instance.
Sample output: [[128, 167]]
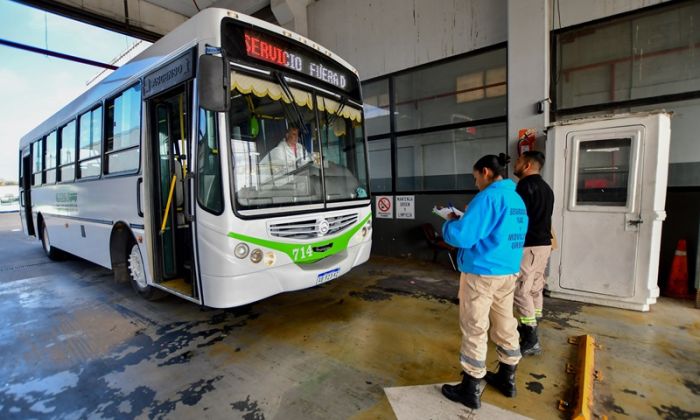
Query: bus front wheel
[[137, 275], [51, 252]]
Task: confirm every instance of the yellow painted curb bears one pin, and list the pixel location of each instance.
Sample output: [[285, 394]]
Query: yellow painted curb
[[586, 374]]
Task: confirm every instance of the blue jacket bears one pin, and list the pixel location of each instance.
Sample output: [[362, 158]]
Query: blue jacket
[[491, 233]]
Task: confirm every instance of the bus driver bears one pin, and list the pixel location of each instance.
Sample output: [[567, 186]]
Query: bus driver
[[287, 156]]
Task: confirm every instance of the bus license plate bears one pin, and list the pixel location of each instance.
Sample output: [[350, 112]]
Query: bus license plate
[[328, 276]]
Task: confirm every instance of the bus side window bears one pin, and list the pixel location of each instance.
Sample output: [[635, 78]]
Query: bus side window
[[210, 196], [66, 152], [90, 143], [37, 157], [50, 158], [123, 131]]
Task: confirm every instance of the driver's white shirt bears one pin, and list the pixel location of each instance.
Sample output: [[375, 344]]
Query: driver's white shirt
[[283, 159]]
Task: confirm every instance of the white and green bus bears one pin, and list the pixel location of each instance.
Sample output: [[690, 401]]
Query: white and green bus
[[168, 172]]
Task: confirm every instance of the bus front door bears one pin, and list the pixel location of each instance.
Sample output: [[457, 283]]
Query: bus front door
[[170, 122], [25, 194]]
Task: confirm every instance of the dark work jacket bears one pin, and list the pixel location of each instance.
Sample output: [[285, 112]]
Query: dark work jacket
[[539, 201]]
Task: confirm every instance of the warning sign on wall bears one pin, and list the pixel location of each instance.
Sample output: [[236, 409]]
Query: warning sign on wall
[[405, 207], [384, 204]]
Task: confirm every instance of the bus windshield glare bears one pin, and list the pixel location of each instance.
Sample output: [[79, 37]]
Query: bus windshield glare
[[284, 153]]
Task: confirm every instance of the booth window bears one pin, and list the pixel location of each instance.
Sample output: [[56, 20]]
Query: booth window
[[603, 172]]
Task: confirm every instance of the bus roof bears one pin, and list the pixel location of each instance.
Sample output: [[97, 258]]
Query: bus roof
[[202, 27]]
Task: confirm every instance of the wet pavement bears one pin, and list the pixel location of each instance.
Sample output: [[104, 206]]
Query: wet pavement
[[74, 344]]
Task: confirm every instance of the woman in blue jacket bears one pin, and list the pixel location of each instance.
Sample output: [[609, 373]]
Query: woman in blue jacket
[[490, 238]]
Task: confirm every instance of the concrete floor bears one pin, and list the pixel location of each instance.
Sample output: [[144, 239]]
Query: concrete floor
[[74, 344]]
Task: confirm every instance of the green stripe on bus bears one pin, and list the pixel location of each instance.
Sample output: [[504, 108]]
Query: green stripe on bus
[[304, 253]]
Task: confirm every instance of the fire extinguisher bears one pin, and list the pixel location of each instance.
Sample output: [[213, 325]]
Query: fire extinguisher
[[526, 140]]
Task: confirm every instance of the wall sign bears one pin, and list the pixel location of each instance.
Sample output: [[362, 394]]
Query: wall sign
[[405, 207], [384, 204]]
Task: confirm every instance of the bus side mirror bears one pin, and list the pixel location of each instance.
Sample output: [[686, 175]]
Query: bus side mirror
[[213, 83]]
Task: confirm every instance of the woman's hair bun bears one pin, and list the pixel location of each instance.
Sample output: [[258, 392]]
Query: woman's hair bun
[[503, 159], [497, 164]]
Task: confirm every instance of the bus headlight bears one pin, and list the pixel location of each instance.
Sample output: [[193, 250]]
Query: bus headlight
[[269, 259], [367, 228], [256, 255], [241, 250]]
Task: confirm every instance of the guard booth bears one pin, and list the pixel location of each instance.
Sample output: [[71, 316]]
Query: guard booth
[[609, 177]]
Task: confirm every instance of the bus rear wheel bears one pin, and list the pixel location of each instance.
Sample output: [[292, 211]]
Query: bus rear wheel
[[51, 252], [137, 275]]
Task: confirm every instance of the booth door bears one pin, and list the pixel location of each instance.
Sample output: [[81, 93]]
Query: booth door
[[612, 208]]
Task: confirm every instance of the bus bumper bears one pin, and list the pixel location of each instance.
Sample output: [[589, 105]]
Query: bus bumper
[[232, 291]]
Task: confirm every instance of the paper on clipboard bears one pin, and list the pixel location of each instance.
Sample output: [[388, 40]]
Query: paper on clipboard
[[445, 211]]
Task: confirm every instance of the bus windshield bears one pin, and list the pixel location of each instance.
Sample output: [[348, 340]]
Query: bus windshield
[[343, 147], [282, 155]]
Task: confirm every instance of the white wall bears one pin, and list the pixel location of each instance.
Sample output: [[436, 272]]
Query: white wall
[[528, 68], [573, 12], [384, 36]]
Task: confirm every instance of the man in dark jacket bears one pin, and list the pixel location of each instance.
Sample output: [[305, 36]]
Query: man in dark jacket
[[539, 201]]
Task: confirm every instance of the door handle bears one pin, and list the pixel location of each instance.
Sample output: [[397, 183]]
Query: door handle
[[186, 195], [138, 196], [635, 222]]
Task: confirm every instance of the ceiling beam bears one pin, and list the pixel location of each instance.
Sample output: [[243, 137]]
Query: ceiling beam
[[145, 20], [56, 54]]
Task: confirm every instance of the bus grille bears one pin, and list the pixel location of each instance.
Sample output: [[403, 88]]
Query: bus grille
[[305, 229]]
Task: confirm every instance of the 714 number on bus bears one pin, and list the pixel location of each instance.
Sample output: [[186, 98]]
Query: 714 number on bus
[[302, 253]]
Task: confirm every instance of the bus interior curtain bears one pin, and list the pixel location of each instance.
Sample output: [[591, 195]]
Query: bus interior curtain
[[263, 88], [340, 108]]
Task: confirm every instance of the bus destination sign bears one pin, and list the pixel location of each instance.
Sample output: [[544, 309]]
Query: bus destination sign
[[169, 75], [263, 49]]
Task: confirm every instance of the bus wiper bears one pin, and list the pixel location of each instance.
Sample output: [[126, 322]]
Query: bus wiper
[[287, 91], [343, 102]]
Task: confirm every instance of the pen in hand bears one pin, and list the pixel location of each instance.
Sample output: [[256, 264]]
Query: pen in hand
[[453, 215]]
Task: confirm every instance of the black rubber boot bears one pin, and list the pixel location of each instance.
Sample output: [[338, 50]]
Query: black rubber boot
[[529, 343], [467, 392], [503, 380]]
